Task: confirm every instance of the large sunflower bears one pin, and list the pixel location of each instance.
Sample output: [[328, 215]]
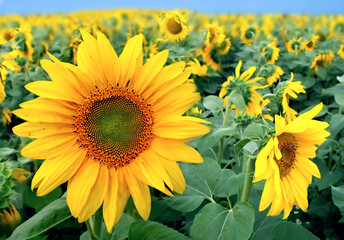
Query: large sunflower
[[110, 127], [285, 162]]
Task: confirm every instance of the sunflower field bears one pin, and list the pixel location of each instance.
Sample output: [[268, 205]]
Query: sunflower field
[[155, 124]]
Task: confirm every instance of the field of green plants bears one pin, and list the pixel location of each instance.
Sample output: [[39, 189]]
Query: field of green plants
[[235, 132]]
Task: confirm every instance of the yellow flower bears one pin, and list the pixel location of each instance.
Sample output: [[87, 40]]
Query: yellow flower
[[75, 44], [248, 34], [224, 47], [111, 126], [310, 44], [214, 34], [9, 219], [294, 46], [174, 27], [207, 57], [6, 35], [270, 72], [6, 62], [25, 29], [285, 162], [322, 59], [6, 116], [254, 101], [271, 52], [196, 68], [291, 90], [341, 51]]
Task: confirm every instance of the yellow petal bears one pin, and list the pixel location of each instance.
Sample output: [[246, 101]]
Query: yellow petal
[[41, 129], [54, 172], [96, 198], [175, 150], [80, 185], [140, 193], [268, 195], [237, 69], [49, 146], [109, 59], [128, 59], [176, 176]]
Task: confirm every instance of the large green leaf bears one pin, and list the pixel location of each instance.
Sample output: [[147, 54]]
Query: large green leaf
[[7, 151], [213, 137], [201, 180], [290, 230], [229, 183], [148, 230], [213, 103], [53, 214], [217, 222], [237, 99]]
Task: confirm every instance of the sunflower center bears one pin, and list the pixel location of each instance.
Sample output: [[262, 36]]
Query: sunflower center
[[173, 26], [310, 44], [287, 145], [114, 125]]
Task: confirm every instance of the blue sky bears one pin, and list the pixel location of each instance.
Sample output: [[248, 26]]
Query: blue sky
[[205, 6]]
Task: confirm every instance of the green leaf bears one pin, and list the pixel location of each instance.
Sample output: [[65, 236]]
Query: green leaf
[[339, 98], [253, 130], [7, 151], [201, 180], [328, 178], [340, 78], [338, 197], [121, 231], [229, 183], [213, 138], [216, 222], [290, 230], [263, 226], [213, 103], [240, 145], [237, 99], [152, 230], [336, 124], [53, 214], [251, 147], [32, 200]]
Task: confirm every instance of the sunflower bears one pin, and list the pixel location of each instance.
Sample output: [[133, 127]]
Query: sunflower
[[25, 31], [270, 72], [6, 35], [294, 46], [214, 34], [254, 101], [6, 62], [310, 44], [290, 89], [322, 59], [174, 27], [196, 68], [271, 53], [285, 162], [341, 51], [207, 53], [248, 34], [9, 219], [110, 127], [74, 45], [6, 116]]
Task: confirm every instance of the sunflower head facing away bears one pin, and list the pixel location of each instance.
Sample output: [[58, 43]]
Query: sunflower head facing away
[[243, 83], [285, 162], [174, 26], [294, 46], [111, 126], [322, 59]]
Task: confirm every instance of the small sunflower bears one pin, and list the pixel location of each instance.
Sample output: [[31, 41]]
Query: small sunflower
[[6, 115], [285, 162], [310, 44], [9, 219], [6, 35], [207, 54], [6, 62], [270, 72], [196, 68], [214, 34], [224, 47], [341, 51], [294, 46], [111, 126], [290, 89], [25, 31], [174, 26], [271, 52], [254, 101], [248, 34], [322, 59]]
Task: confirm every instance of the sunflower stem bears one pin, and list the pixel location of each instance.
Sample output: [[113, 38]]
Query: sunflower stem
[[97, 223], [249, 171], [89, 229], [222, 140]]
